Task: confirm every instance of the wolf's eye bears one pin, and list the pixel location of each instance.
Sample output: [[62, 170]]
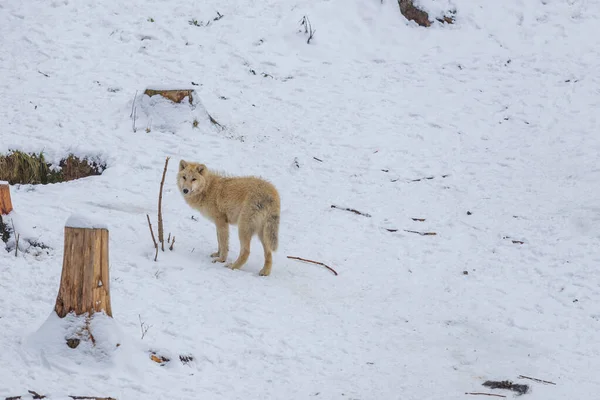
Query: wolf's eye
[[184, 178], [193, 179]]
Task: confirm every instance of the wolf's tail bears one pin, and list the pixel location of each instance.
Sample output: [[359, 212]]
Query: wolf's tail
[[271, 232]]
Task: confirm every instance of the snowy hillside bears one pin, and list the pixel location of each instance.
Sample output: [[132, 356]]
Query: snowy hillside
[[498, 109]]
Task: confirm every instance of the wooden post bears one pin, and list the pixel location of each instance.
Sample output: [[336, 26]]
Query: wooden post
[[5, 202], [84, 284]]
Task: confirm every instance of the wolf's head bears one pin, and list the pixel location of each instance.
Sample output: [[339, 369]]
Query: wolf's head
[[191, 178]]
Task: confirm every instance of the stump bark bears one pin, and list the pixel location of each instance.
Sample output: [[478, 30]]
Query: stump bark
[[5, 202], [84, 284]]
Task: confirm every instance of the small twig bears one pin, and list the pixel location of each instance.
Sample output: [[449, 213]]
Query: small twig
[[46, 75], [133, 121], [39, 396], [161, 238], [214, 121], [418, 219], [536, 379], [17, 236], [485, 394], [307, 28], [391, 230], [172, 244], [352, 210], [422, 233], [153, 238], [318, 159], [218, 17], [169, 238], [143, 326], [314, 262], [133, 104]]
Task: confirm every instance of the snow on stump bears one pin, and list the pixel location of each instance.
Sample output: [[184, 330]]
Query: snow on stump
[[5, 202], [84, 284], [168, 110], [421, 17]]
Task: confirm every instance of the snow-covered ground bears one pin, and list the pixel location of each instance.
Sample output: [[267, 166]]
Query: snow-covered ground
[[499, 108]]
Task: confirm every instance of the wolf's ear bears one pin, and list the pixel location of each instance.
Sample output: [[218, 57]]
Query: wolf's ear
[[182, 165], [201, 168]]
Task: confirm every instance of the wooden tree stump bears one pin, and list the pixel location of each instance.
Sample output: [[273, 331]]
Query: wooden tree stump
[[84, 284], [175, 95], [5, 202]]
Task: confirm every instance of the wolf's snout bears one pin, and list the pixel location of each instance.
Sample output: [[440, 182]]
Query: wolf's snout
[[185, 191]]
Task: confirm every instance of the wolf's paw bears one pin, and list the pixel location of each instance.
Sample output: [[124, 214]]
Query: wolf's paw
[[219, 259], [214, 255], [232, 266], [264, 272]]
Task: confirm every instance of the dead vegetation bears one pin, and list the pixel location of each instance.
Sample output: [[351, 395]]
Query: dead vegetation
[[413, 13], [18, 167]]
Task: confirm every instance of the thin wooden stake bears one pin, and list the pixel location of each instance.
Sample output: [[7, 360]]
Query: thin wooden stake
[[153, 238], [161, 238], [314, 262]]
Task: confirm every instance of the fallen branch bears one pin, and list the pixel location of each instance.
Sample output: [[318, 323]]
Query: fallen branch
[[536, 379], [91, 398], [313, 262], [352, 210], [161, 238], [422, 233], [153, 238], [38, 396], [485, 394]]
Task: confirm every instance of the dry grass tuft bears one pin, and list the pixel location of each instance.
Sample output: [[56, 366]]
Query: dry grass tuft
[[32, 168]]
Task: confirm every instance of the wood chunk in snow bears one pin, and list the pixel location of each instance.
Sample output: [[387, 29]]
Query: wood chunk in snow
[[175, 95]]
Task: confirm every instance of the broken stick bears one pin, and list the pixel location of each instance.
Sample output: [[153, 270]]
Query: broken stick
[[422, 233], [153, 238], [313, 262], [352, 210], [536, 379], [485, 394]]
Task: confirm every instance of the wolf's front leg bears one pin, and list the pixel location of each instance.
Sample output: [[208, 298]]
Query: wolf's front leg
[[223, 240]]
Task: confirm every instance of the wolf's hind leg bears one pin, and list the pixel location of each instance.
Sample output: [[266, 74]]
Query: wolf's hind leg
[[245, 233]]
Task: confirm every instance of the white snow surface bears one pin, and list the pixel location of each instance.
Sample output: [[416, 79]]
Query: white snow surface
[[500, 109], [85, 221]]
